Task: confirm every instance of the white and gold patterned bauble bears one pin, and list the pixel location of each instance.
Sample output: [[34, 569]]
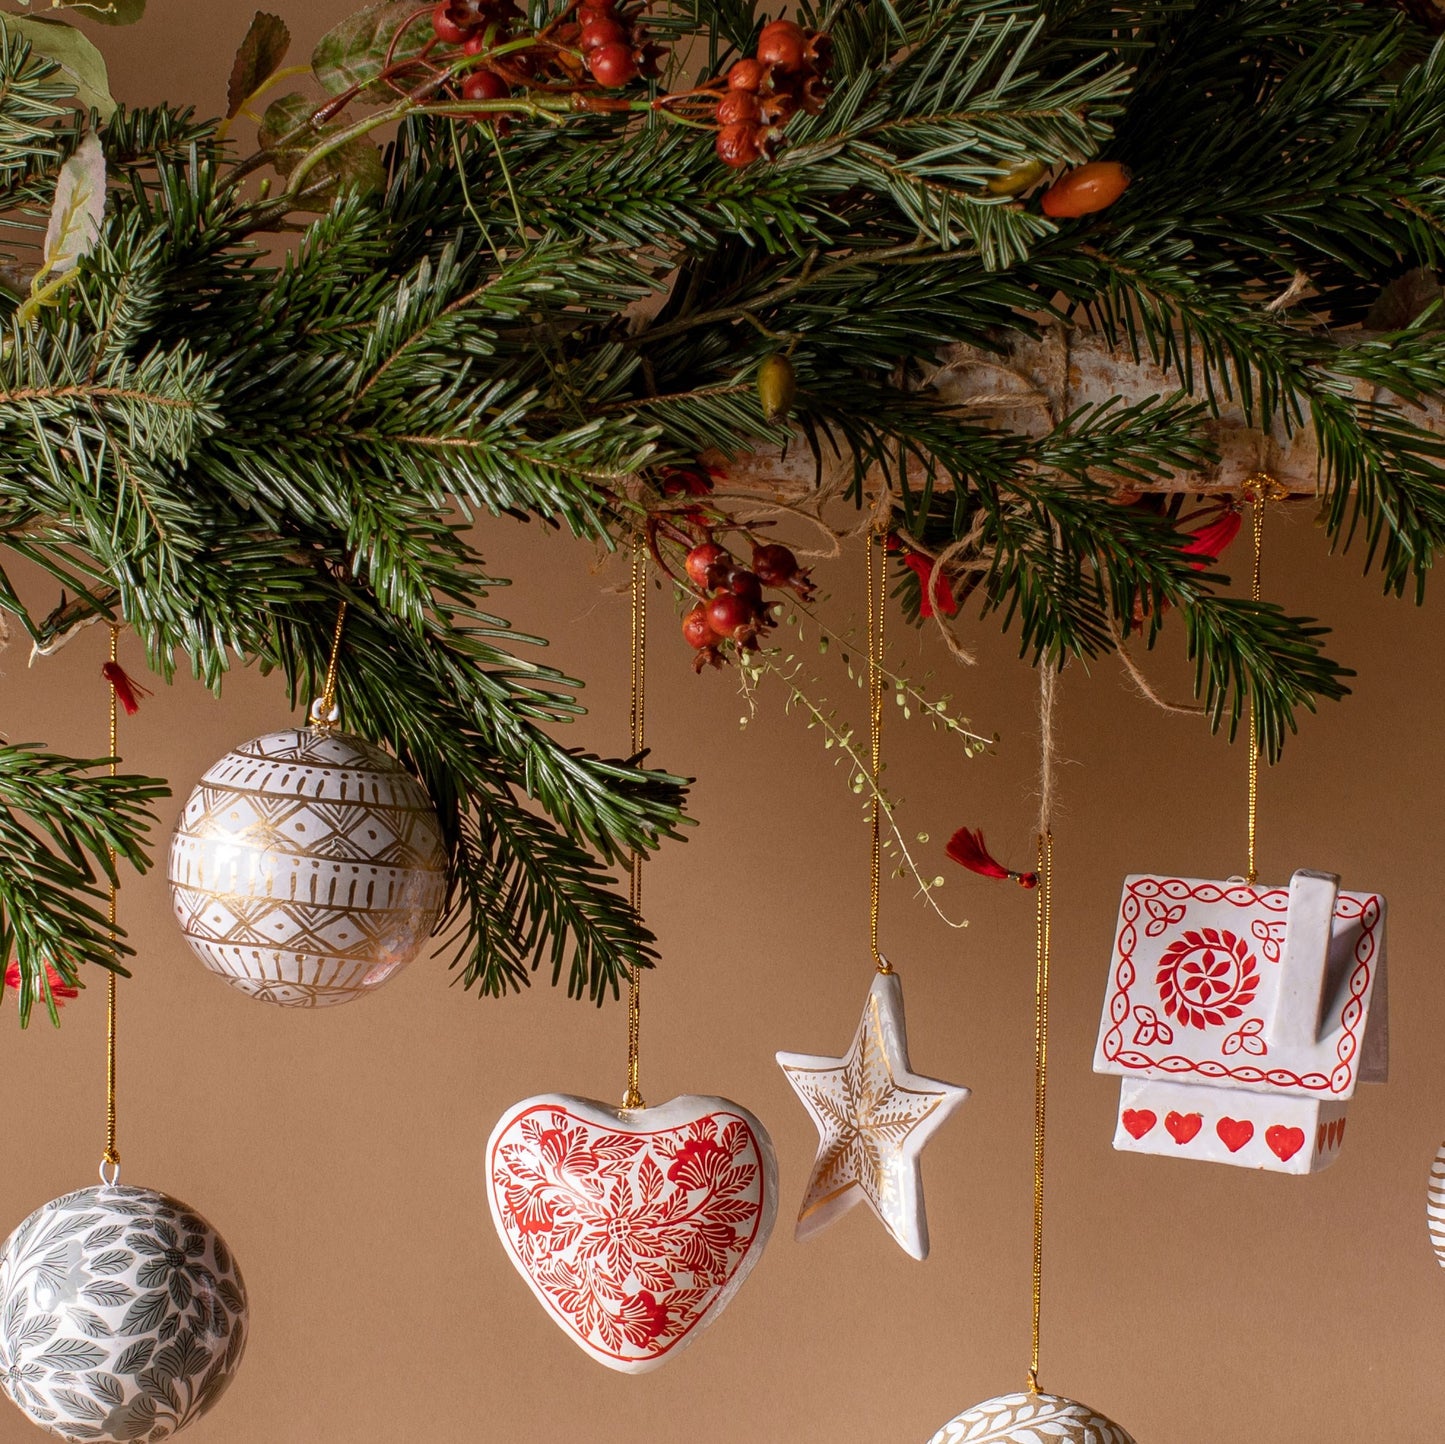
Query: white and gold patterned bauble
[[1031, 1419], [122, 1315], [1435, 1206], [307, 867]]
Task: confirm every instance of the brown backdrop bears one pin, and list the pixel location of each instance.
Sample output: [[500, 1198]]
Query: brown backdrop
[[340, 1152]]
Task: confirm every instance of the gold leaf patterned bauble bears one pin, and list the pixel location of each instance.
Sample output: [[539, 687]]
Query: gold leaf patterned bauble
[[307, 867], [122, 1316], [1031, 1419]]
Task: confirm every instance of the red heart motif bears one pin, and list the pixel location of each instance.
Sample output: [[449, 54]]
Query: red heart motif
[[1284, 1142], [1322, 1133], [1234, 1133], [633, 1228], [1340, 1136], [1183, 1126], [1138, 1121]]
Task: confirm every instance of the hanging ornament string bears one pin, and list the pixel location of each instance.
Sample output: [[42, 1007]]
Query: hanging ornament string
[[1043, 943], [323, 710], [110, 1159], [637, 714], [1257, 490], [877, 598]]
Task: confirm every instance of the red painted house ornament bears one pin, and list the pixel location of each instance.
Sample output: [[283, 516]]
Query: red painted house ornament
[[1240, 1017]]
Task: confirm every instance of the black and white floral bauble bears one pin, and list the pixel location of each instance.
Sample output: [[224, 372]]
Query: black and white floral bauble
[[1031, 1419], [122, 1315], [307, 867]]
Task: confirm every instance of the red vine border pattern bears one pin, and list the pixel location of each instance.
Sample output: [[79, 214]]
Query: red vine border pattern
[[1150, 898], [629, 1237]]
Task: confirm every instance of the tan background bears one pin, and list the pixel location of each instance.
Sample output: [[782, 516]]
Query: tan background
[[340, 1152]]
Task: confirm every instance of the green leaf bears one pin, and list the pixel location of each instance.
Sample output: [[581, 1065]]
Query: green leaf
[[81, 63], [259, 58], [288, 135], [354, 53], [108, 12]]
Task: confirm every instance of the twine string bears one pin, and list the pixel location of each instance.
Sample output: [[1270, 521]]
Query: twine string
[[1043, 945], [638, 717], [110, 1159], [877, 576]]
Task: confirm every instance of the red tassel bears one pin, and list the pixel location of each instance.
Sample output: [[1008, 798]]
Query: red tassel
[[1208, 542], [128, 691], [969, 850], [60, 990]]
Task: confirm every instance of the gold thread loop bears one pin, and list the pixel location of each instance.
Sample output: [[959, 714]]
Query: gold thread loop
[[111, 1157], [324, 712], [1258, 490], [877, 576], [637, 714], [1043, 943]]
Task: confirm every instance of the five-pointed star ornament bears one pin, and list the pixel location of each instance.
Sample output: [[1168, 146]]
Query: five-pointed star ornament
[[873, 1114]]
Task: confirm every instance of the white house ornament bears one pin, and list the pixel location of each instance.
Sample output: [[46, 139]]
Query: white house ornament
[[1241, 1017], [1435, 1206], [873, 1115], [307, 867], [122, 1315], [1031, 1419], [634, 1228]]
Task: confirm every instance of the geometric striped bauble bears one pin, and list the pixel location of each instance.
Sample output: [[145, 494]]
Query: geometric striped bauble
[[1435, 1206], [1031, 1419], [307, 868]]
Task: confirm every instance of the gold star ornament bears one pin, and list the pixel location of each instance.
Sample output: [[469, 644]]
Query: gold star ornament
[[873, 1115]]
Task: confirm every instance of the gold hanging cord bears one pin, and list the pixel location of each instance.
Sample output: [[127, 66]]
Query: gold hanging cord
[[1258, 491], [110, 1159], [637, 713], [877, 599], [1043, 942], [323, 709]]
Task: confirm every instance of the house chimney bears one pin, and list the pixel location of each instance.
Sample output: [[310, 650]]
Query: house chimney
[[1294, 1020]]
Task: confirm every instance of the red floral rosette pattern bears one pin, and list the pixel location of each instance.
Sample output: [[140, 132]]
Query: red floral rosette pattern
[[631, 1236], [1206, 977]]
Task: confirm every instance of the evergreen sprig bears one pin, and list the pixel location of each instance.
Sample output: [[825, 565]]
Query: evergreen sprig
[[216, 448]]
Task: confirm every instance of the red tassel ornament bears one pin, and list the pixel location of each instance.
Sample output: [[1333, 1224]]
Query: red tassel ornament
[[128, 692], [60, 990], [1209, 541], [967, 848]]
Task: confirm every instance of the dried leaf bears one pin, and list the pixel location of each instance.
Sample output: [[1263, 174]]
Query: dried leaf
[[354, 53], [258, 59], [78, 208], [356, 166], [107, 12]]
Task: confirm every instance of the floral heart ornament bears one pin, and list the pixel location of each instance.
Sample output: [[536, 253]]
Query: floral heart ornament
[[633, 1227]]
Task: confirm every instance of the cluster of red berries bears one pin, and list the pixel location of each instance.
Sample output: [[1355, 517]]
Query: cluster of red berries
[[766, 90], [466, 22], [613, 49], [734, 608]]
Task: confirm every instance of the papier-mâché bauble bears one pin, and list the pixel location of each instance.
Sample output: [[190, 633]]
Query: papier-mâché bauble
[[307, 867], [122, 1316], [1028, 1419]]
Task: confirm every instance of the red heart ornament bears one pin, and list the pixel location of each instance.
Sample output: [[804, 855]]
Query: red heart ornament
[[1284, 1142], [1183, 1126], [1138, 1121], [1234, 1133], [634, 1228]]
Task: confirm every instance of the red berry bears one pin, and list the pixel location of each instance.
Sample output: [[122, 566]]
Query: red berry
[[775, 565], [475, 44], [484, 85], [1089, 188], [596, 10], [745, 75], [601, 30], [702, 559], [745, 584], [731, 616], [738, 145], [738, 107], [782, 44], [445, 28], [613, 65], [696, 630]]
